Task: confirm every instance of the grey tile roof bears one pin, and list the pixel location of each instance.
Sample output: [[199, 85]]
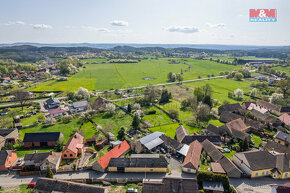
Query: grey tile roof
[[274, 146], [41, 137], [283, 136], [283, 162], [181, 132], [211, 150], [138, 162], [258, 160], [200, 138], [80, 104]]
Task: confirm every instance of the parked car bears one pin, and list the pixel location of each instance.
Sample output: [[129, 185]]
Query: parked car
[[132, 190], [31, 185]]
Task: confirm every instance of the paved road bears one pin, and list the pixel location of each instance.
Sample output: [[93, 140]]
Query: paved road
[[8, 180], [38, 100]]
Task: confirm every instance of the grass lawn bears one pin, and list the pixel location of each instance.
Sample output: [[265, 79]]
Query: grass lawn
[[215, 122], [257, 140], [29, 120], [285, 69], [18, 189], [114, 123], [125, 75], [169, 130], [102, 152], [230, 155], [160, 118], [175, 105], [203, 167]]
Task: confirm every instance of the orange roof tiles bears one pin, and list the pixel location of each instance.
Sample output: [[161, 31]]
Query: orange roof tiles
[[114, 153]]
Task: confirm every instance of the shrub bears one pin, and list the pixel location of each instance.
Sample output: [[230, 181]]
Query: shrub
[[66, 119], [174, 114]]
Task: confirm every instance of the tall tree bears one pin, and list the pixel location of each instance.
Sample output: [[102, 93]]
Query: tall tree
[[21, 96], [136, 121], [49, 173]]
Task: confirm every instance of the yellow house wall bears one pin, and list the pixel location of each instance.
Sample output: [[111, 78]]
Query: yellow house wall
[[260, 173], [112, 169], [145, 169], [279, 141], [283, 176]]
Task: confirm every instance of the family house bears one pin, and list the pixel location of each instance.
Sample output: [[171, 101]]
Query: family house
[[120, 150], [245, 105], [261, 109], [213, 130], [52, 103], [275, 109], [217, 168], [230, 168], [282, 170], [211, 150], [275, 147], [148, 142], [7, 158], [215, 139], [180, 133], [58, 112], [285, 109], [285, 118], [255, 163], [137, 165], [8, 136], [48, 185], [171, 185], [78, 107], [40, 161], [192, 159], [73, 147], [41, 139], [229, 108], [237, 129], [229, 116], [100, 104], [282, 138]]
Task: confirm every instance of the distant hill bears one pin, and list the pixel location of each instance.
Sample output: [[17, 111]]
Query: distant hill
[[110, 46]]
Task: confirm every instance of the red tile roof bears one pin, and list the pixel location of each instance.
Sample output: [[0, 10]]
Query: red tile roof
[[193, 155], [114, 153], [75, 142], [237, 124], [56, 111], [285, 118]]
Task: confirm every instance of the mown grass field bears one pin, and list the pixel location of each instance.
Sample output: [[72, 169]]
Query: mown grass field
[[104, 76], [285, 69]]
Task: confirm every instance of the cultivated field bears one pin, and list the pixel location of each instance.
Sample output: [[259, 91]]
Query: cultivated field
[[104, 76]]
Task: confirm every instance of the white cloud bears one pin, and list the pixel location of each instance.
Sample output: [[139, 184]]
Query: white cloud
[[217, 25], [14, 23], [41, 26], [92, 28], [182, 29], [119, 23]]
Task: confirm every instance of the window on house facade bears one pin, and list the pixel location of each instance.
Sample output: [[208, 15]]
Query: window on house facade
[[267, 172], [67, 151], [151, 170], [257, 173], [70, 155], [65, 155], [286, 175], [188, 170], [263, 173]]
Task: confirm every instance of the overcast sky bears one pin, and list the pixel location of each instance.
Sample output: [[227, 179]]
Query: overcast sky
[[142, 21]]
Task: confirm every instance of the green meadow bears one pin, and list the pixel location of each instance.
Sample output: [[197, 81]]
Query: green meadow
[[104, 76]]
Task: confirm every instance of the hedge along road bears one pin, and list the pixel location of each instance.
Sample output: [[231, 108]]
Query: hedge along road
[[132, 88]]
